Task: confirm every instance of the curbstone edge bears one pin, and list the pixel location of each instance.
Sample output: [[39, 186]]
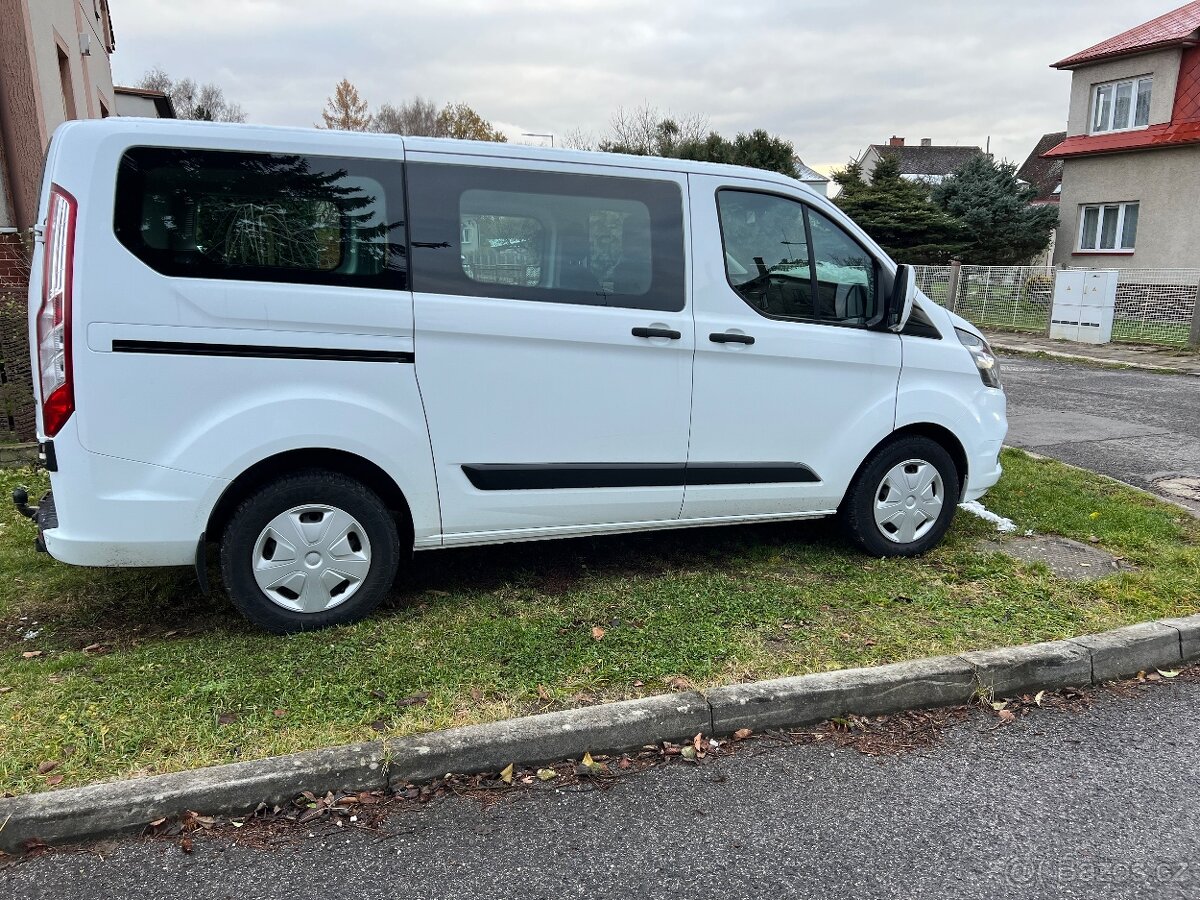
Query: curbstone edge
[[783, 702], [1018, 670], [1125, 651], [1188, 628], [548, 737], [78, 814]]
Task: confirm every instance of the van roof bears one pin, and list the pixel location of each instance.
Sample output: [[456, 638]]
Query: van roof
[[176, 129]]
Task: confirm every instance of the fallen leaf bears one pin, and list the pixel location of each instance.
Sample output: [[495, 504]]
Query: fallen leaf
[[998, 705], [1153, 676], [170, 634], [598, 633], [54, 780], [280, 713], [506, 774], [31, 654], [742, 733], [186, 845], [688, 752], [1007, 715], [413, 700], [625, 763], [227, 718], [1168, 673], [4, 689], [869, 642], [543, 693], [546, 774], [476, 695], [48, 766], [158, 822], [93, 648], [639, 683], [379, 725], [679, 683], [587, 759], [1038, 697]]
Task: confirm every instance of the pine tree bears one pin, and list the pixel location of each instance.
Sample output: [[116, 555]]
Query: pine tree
[[1000, 226], [346, 110], [899, 214]]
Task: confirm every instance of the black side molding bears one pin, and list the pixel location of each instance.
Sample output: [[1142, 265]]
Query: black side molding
[[259, 351], [560, 476]]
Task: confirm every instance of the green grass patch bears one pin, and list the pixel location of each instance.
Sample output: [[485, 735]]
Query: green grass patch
[[481, 634]]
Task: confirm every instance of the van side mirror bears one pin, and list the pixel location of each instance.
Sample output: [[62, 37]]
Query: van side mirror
[[900, 302]]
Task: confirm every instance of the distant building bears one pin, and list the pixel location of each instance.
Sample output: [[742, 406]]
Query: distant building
[[1131, 152], [1045, 176], [811, 177], [144, 103], [926, 162]]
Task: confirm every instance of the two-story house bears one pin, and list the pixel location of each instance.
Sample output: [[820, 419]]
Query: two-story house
[[1130, 192]]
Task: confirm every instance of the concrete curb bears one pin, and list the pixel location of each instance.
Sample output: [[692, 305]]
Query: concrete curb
[[80, 814], [1023, 350]]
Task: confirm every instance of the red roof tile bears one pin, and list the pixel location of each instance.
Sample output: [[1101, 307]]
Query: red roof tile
[[1168, 30], [1166, 135]]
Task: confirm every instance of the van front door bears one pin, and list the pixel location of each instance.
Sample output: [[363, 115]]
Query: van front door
[[791, 391], [553, 343]]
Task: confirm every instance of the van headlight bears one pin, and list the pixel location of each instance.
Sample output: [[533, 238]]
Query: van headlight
[[981, 352]]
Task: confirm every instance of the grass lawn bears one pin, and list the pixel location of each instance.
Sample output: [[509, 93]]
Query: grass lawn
[[473, 635]]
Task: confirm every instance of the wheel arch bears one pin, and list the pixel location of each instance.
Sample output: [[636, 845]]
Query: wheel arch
[[939, 434], [289, 461]]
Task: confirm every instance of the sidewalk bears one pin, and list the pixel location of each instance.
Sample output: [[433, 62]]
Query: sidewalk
[[1138, 356]]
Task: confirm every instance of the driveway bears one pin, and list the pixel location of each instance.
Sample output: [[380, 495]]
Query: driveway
[[1140, 427]]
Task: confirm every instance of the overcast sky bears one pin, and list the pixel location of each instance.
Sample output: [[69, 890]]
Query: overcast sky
[[831, 77]]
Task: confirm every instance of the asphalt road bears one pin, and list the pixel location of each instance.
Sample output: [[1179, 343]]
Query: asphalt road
[[1133, 425], [1097, 803]]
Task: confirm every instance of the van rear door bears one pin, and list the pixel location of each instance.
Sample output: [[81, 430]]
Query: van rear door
[[553, 342]]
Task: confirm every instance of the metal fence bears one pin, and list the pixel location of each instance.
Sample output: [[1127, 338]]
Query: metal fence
[[1154, 306]]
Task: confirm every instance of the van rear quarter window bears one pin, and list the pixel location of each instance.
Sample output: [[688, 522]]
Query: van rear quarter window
[[263, 216], [556, 237]]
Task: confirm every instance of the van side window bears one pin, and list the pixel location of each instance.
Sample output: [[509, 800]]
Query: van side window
[[766, 253], [789, 261], [263, 216], [846, 280], [549, 236]]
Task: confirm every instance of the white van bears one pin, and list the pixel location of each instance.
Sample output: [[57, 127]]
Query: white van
[[318, 350]]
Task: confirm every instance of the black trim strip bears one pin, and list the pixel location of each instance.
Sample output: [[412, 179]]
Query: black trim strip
[[558, 476], [180, 348]]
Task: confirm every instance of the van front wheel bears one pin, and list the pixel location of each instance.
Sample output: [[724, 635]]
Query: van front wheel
[[904, 498], [308, 551]]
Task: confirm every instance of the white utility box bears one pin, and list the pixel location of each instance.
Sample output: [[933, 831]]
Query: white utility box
[[1084, 302]]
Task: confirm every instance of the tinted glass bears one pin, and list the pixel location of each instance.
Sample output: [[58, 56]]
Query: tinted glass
[[547, 236], [845, 274], [766, 253], [263, 217]]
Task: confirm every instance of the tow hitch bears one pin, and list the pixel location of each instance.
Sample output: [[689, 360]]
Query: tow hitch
[[20, 498]]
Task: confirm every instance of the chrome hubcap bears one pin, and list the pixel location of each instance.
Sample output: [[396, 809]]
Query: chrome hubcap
[[908, 501], [311, 558]]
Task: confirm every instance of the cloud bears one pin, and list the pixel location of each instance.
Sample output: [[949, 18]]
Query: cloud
[[830, 76]]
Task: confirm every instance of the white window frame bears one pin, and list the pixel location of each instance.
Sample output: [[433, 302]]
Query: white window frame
[[1120, 232], [1134, 83]]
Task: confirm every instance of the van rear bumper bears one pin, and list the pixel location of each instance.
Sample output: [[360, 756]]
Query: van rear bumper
[[118, 512]]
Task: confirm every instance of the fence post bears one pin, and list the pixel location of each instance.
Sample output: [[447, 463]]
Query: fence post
[[952, 286], [1194, 334]]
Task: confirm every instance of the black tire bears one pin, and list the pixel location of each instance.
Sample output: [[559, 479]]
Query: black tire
[[857, 512], [370, 520]]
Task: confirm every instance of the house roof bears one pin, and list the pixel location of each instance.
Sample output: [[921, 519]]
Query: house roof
[[1044, 173], [1177, 28], [804, 173], [932, 160], [162, 103]]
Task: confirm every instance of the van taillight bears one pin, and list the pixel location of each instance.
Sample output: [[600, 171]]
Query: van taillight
[[54, 316]]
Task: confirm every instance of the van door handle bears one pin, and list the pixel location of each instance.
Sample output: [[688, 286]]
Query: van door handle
[[670, 333], [725, 337]]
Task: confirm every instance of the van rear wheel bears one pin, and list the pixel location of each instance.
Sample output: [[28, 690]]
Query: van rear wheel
[[308, 551], [904, 498]]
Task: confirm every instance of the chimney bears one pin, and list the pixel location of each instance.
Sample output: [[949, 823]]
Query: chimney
[[926, 142], [896, 141]]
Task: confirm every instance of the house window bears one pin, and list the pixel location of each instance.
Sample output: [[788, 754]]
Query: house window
[[1121, 105], [1108, 227]]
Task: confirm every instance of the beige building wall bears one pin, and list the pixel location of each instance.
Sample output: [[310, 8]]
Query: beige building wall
[[1163, 65], [1166, 184], [61, 26]]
